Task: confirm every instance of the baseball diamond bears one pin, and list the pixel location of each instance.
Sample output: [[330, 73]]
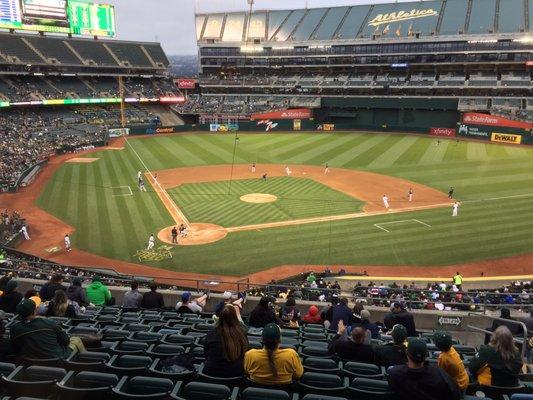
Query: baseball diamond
[[490, 182]]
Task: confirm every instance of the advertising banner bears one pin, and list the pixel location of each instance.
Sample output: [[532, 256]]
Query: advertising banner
[[297, 125], [223, 127], [492, 120], [298, 113], [450, 132], [118, 132], [186, 83], [506, 138], [480, 132]]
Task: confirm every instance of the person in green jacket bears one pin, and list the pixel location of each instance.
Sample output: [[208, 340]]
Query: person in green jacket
[[97, 293]]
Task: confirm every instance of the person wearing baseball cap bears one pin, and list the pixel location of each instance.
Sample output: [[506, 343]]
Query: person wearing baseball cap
[[417, 380], [186, 305], [272, 365], [399, 315], [11, 297], [34, 337], [450, 360], [395, 352]]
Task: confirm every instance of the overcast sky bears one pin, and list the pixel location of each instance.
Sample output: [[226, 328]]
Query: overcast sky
[[171, 22]]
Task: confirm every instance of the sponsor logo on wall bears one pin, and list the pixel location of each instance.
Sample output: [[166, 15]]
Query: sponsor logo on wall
[[450, 132], [506, 138], [269, 125], [491, 120], [476, 131], [223, 127]]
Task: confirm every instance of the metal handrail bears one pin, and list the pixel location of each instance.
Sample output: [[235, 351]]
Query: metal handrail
[[511, 321]]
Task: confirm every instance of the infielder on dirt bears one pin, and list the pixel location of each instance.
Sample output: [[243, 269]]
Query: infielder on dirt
[[386, 202], [288, 170], [67, 243], [410, 194]]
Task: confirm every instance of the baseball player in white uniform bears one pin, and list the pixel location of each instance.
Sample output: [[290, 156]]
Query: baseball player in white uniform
[[67, 243], [410, 194], [24, 232], [386, 202], [455, 209], [326, 170], [151, 242], [253, 168], [287, 170]]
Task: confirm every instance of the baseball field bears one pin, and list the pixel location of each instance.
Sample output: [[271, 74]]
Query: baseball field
[[239, 223]]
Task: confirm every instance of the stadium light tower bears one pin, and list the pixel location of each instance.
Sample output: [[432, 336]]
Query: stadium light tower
[[251, 4]]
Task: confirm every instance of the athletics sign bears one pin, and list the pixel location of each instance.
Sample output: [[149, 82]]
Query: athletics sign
[[400, 16], [454, 321]]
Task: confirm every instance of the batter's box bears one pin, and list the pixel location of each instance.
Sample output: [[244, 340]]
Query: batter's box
[[121, 191], [403, 221]]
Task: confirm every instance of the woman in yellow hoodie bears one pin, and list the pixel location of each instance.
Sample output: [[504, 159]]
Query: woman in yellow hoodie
[[450, 360]]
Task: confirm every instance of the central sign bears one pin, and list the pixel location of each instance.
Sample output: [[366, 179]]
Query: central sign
[[402, 16]]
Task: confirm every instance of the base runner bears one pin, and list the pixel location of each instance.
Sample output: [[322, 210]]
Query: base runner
[[386, 202]]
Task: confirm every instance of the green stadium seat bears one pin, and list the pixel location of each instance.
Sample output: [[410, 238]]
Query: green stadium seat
[[231, 381], [175, 373], [87, 361], [326, 384], [32, 381], [354, 369], [312, 396], [6, 368], [252, 393], [86, 385], [128, 365], [204, 391], [370, 389], [129, 347], [163, 350], [142, 387], [322, 365], [145, 337]]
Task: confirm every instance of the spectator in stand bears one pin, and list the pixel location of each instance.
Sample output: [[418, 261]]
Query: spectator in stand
[[372, 330], [313, 316], [60, 306], [395, 352], [5, 346], [327, 313], [227, 299], [341, 312], [263, 314], [353, 347], [272, 365], [152, 299], [450, 360], [34, 337], [289, 314], [499, 362], [311, 278], [186, 305], [133, 298], [356, 315], [49, 288], [224, 347], [399, 315], [98, 294], [75, 292], [419, 381], [514, 328], [10, 298]]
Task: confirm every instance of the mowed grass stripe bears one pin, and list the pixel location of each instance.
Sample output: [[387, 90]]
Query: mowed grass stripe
[[366, 142], [389, 156], [105, 240], [81, 238], [339, 144], [300, 154]]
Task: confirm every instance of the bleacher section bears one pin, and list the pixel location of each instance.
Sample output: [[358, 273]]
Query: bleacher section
[[43, 50]]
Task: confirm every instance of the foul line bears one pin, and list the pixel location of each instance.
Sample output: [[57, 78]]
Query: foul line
[[163, 195], [399, 222], [123, 194]]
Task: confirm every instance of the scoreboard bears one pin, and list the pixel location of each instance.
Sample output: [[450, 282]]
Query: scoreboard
[[58, 16]]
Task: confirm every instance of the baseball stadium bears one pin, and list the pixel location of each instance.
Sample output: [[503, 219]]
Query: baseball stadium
[[373, 160]]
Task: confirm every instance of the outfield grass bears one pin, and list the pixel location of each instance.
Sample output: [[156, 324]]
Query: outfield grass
[[487, 227], [213, 202]]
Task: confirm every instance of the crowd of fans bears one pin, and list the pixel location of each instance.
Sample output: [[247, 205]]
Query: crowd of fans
[[28, 137], [10, 224], [349, 334]]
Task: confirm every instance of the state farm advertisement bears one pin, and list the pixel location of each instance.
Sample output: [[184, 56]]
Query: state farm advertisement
[[450, 132], [186, 83], [297, 113], [492, 120]]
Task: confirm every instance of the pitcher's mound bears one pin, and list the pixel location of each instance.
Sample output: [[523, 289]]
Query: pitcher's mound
[[258, 198], [197, 234]]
